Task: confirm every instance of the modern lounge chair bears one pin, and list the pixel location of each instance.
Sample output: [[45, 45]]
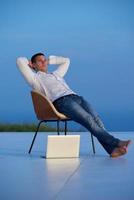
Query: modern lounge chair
[[46, 112]]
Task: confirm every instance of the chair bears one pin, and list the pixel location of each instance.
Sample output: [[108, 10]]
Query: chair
[[46, 112]]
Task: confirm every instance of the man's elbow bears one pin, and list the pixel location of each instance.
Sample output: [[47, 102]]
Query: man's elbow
[[68, 61], [18, 61], [21, 60]]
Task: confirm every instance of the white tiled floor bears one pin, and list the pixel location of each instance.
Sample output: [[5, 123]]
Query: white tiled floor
[[31, 177]]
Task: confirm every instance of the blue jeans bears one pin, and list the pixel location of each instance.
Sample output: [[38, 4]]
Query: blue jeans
[[79, 110]]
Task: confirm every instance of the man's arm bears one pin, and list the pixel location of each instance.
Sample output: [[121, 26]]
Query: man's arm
[[62, 62], [26, 70]]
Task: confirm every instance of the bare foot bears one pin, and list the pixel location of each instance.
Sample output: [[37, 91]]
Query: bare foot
[[119, 151]]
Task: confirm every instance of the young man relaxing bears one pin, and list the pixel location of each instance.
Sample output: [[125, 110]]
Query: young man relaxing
[[66, 100]]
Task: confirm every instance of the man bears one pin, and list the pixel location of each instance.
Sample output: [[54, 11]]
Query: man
[[67, 101]]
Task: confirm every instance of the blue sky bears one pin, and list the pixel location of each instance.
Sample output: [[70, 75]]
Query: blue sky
[[98, 37]]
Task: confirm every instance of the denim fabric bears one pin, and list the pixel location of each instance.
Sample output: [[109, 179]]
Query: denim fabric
[[79, 110]]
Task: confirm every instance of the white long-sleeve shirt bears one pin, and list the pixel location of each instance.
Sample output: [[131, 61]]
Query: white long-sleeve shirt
[[51, 84]]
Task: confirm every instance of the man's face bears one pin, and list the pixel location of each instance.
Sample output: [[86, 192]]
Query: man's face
[[41, 63]]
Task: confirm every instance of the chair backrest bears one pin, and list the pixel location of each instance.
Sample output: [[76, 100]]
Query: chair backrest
[[44, 108]]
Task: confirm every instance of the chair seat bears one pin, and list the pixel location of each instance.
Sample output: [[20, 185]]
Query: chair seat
[[44, 108]]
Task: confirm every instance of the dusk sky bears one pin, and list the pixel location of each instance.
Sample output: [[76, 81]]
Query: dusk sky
[[97, 36]]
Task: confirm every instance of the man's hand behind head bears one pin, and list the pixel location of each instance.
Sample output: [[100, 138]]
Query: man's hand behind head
[[30, 64]]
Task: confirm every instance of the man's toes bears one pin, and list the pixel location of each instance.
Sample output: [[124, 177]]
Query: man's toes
[[124, 143], [118, 152]]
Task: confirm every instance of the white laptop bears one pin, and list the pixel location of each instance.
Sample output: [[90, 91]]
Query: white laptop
[[63, 146]]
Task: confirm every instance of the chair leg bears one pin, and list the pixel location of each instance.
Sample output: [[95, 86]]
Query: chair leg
[[58, 132], [34, 137], [65, 127], [93, 146]]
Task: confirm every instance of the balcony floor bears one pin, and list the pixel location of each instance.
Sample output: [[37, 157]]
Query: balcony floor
[[32, 177]]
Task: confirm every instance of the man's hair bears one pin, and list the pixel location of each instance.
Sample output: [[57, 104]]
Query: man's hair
[[33, 58]]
